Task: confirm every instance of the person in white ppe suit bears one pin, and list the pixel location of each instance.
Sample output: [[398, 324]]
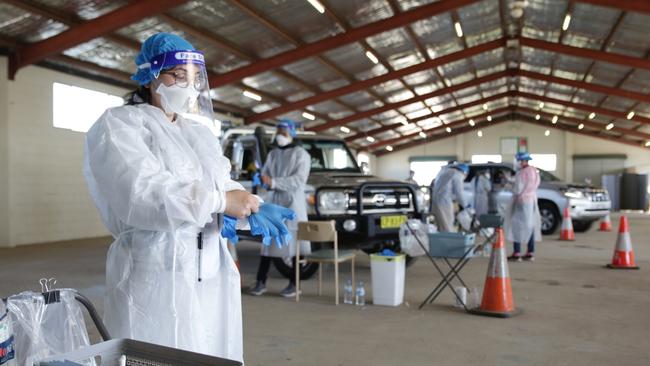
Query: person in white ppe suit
[[523, 222], [447, 187], [157, 174], [285, 173], [482, 188]]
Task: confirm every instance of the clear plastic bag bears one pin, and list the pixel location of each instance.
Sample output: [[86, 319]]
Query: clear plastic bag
[[408, 241], [42, 329]]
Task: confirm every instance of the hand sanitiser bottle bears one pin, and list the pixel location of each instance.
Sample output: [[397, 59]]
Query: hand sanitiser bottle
[[360, 298], [348, 292], [7, 353]]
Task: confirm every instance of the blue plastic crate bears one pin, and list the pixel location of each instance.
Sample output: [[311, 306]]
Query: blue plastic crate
[[450, 245]]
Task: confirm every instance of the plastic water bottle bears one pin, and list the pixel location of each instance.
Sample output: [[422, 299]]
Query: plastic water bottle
[[7, 353], [360, 298], [348, 293]]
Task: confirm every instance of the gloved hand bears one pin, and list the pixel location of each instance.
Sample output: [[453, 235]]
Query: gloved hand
[[257, 181], [229, 229], [269, 222]]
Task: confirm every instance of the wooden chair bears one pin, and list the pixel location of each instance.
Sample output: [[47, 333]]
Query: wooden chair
[[322, 231]]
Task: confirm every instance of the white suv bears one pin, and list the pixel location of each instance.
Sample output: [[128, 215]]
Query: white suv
[[587, 203]]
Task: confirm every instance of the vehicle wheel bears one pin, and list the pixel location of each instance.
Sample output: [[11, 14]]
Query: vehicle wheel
[[582, 226], [306, 270], [550, 217]]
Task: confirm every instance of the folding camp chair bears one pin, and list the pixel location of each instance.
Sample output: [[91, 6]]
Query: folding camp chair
[[460, 246]]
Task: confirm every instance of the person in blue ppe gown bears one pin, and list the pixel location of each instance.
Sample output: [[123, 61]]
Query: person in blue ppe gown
[[161, 184], [285, 173], [447, 188]]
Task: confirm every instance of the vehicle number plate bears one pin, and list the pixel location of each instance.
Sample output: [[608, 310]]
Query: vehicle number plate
[[392, 222]]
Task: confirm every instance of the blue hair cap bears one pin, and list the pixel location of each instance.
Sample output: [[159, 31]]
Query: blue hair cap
[[155, 45]]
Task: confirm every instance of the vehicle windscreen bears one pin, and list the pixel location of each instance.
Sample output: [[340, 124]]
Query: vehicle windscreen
[[327, 155], [547, 177]]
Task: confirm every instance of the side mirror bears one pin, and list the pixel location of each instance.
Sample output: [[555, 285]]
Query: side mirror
[[237, 159]]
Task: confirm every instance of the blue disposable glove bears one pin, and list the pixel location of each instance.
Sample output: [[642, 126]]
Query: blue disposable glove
[[257, 181], [269, 222], [229, 229]]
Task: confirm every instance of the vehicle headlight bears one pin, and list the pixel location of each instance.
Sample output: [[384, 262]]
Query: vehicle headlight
[[574, 193], [332, 202]]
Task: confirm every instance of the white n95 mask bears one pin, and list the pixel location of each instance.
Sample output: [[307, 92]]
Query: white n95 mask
[[283, 140], [175, 99]]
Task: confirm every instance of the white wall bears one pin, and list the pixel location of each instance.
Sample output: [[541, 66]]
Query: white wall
[[47, 195], [564, 144]]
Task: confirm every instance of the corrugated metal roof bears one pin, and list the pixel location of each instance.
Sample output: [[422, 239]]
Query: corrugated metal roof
[[259, 29]]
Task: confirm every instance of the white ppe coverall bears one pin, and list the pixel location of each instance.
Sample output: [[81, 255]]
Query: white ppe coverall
[[482, 189], [157, 185], [447, 187], [289, 168], [522, 218]]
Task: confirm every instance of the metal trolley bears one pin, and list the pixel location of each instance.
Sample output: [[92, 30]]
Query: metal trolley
[[123, 352]]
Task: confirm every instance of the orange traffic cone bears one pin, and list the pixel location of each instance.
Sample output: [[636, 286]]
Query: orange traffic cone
[[497, 293], [567, 226], [605, 224], [623, 253]]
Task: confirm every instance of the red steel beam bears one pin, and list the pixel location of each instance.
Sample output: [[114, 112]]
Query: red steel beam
[[364, 84], [452, 125], [87, 31], [356, 34], [590, 124], [518, 116], [600, 110], [532, 121], [642, 6], [419, 98], [442, 136], [399, 124], [614, 58], [603, 89]]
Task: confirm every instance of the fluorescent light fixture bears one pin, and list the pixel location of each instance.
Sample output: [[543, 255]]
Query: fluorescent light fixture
[[541, 105], [422, 134], [472, 123], [459, 29], [485, 106], [537, 117], [567, 21], [592, 115], [372, 57], [389, 148], [581, 126], [316, 4], [489, 118], [630, 115], [547, 133], [647, 143], [252, 95], [345, 129], [554, 120], [609, 126], [479, 133], [309, 116], [448, 129], [370, 139]]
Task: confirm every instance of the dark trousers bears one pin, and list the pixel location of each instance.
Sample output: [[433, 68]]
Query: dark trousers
[[265, 265], [531, 245]]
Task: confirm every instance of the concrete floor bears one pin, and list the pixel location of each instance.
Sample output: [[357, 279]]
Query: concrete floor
[[575, 311]]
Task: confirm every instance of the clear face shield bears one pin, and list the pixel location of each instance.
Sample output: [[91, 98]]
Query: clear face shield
[[181, 81]]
